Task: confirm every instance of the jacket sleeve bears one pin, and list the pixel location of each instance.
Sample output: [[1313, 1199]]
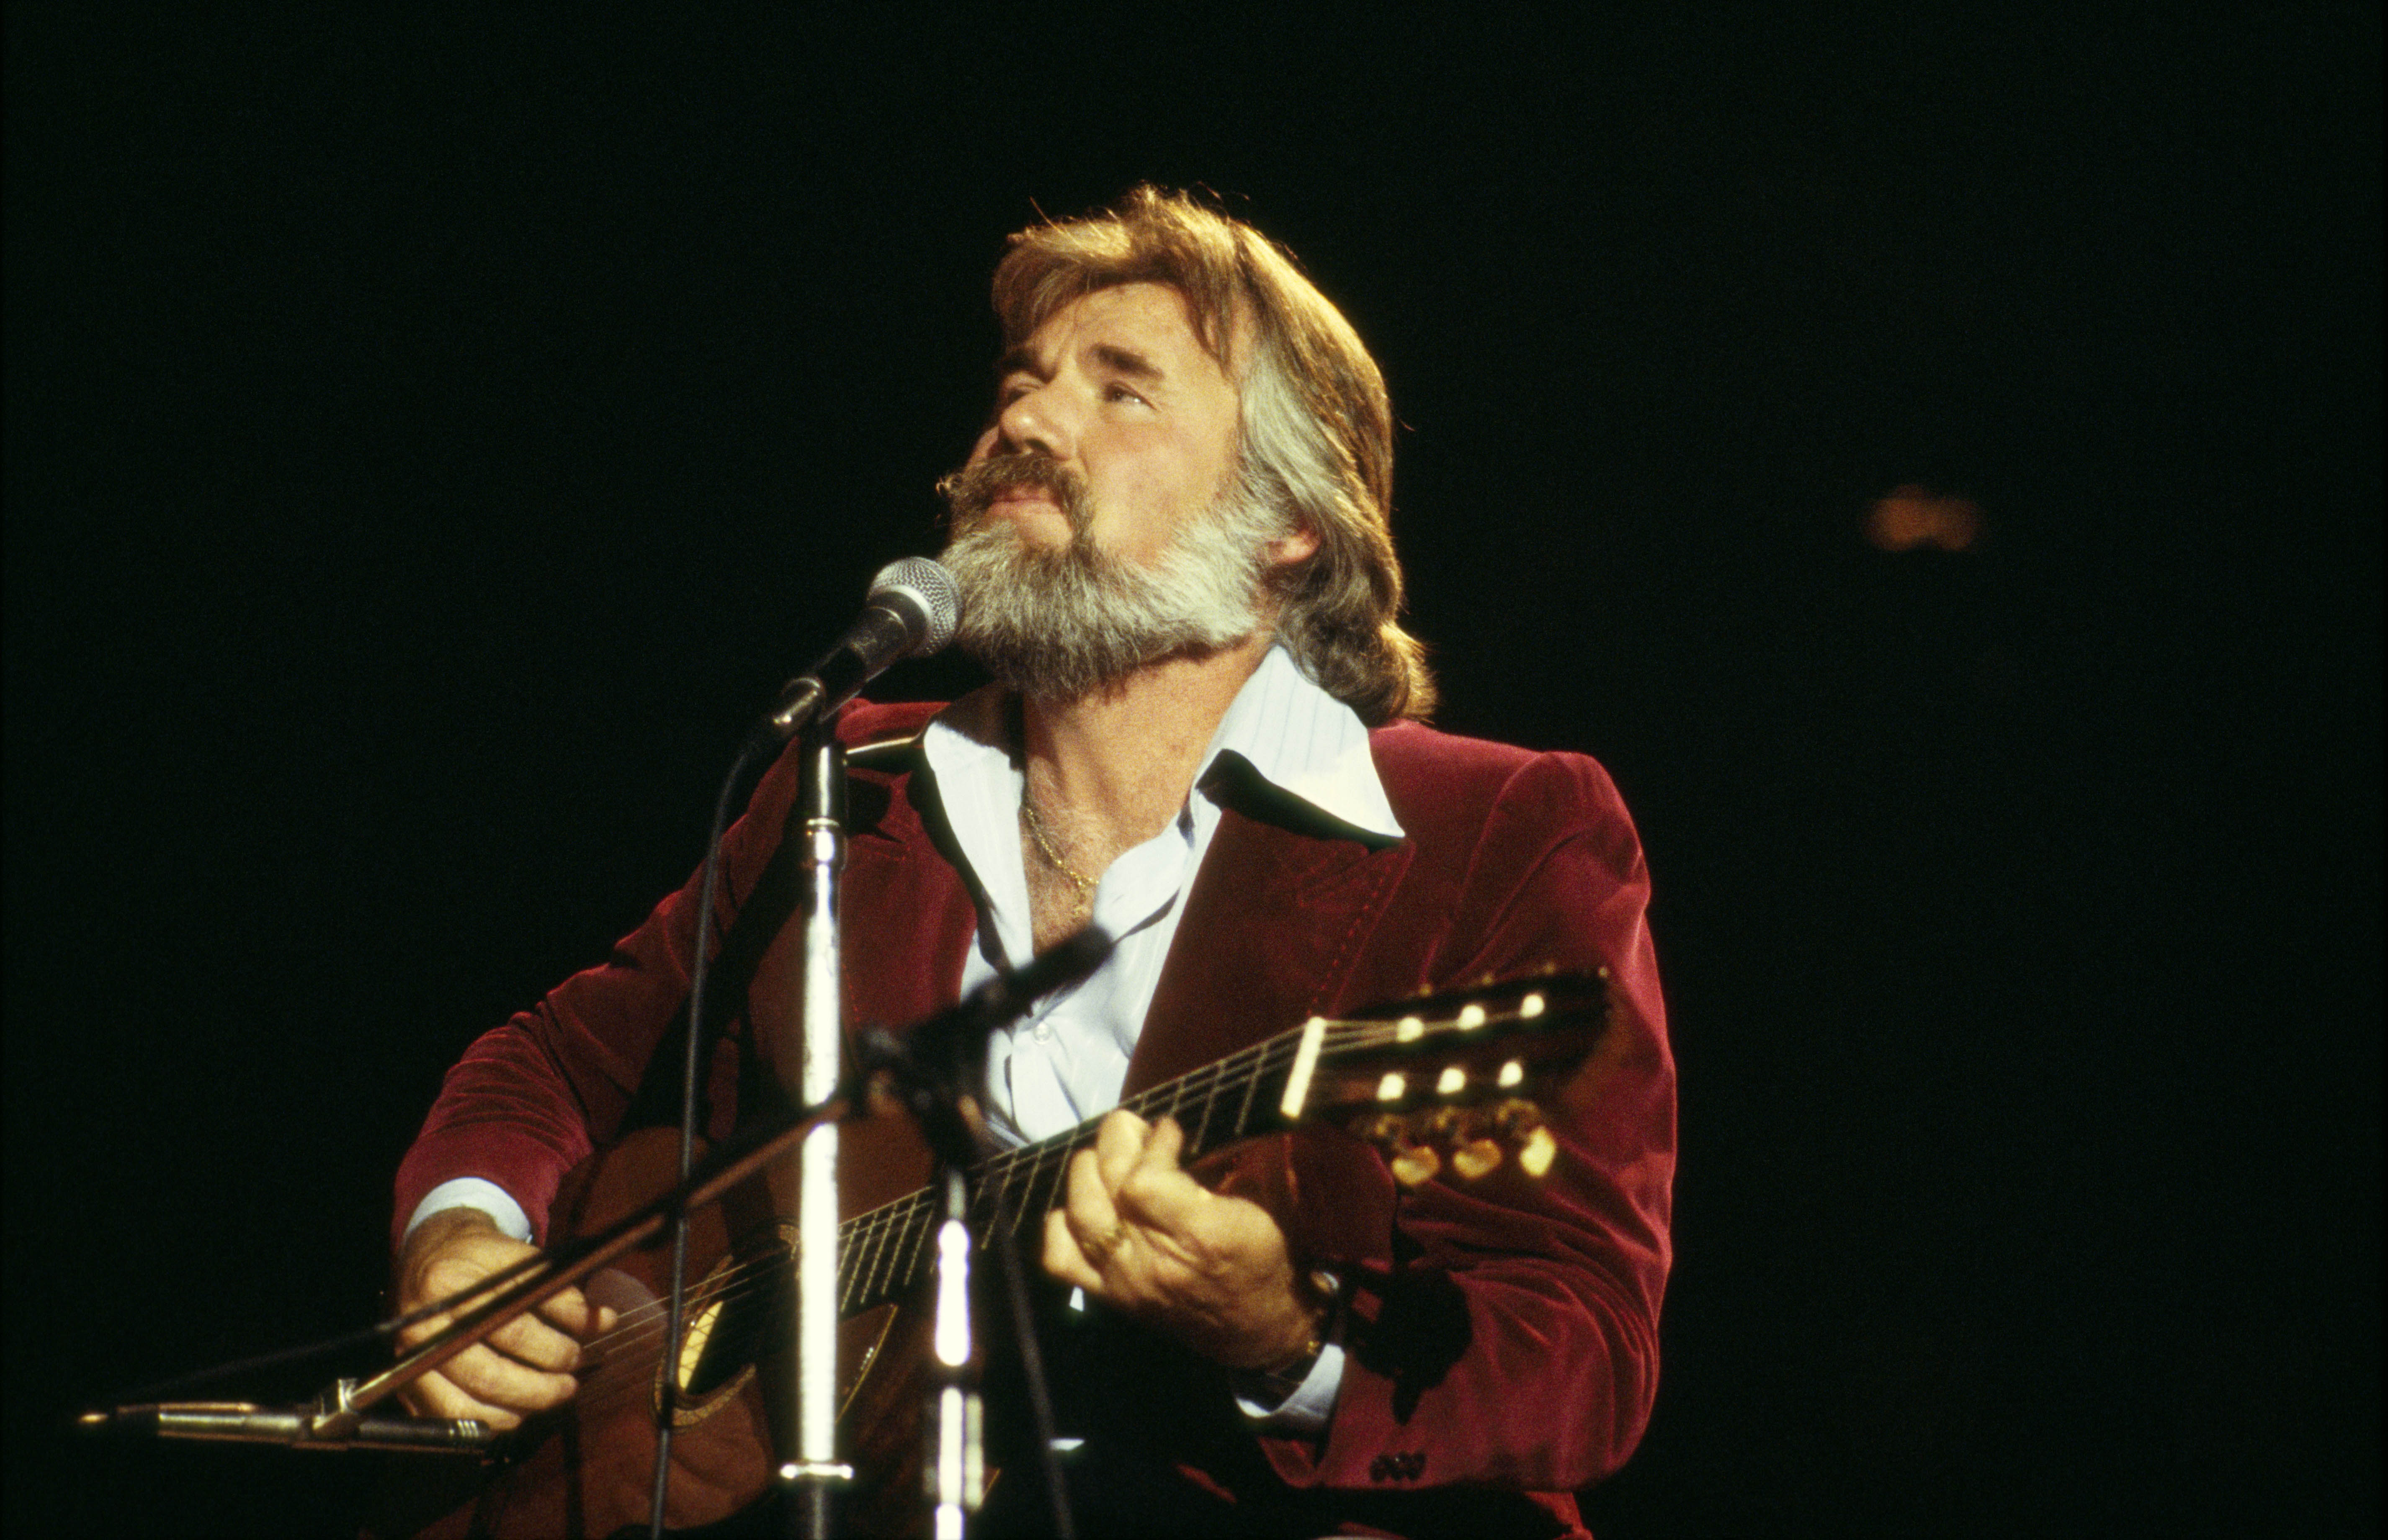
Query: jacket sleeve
[[1511, 1338], [533, 1097]]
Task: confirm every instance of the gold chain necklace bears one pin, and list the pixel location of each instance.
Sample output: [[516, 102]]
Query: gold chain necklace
[[1078, 879]]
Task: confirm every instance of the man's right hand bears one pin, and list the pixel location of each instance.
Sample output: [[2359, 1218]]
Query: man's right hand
[[524, 1366]]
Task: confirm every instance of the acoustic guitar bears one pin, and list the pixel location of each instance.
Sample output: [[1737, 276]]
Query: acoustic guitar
[[1444, 1086]]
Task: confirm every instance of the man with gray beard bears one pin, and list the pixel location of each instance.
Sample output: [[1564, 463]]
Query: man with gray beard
[[1203, 736]]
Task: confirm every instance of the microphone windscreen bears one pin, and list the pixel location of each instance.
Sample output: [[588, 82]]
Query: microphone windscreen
[[930, 589]]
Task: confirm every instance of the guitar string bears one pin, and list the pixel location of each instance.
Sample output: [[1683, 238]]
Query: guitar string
[[624, 1363]]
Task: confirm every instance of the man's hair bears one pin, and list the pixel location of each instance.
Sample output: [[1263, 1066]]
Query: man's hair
[[1316, 440]]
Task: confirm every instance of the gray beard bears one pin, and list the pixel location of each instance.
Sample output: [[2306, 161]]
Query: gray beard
[[1057, 624]]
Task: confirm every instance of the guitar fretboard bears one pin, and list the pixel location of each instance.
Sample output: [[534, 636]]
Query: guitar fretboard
[[884, 1253]]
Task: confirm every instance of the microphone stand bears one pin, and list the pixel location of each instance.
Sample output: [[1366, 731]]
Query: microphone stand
[[931, 1084], [820, 805], [815, 825], [932, 1071]]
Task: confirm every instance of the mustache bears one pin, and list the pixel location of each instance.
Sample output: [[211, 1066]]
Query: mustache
[[973, 489]]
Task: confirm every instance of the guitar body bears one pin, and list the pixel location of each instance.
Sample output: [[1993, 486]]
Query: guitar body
[[585, 1470]]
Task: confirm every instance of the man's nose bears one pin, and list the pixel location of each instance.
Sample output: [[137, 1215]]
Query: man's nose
[[1034, 425]]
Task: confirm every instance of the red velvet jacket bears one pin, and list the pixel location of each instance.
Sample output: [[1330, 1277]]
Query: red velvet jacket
[[1508, 1338]]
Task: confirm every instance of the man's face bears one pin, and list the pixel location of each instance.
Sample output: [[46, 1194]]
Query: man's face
[[1117, 392], [1101, 526]]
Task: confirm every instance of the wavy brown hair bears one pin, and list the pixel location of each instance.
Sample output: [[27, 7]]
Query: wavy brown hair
[[1316, 440]]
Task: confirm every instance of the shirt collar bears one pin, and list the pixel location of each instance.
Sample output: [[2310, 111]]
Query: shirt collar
[[1291, 732], [1305, 743]]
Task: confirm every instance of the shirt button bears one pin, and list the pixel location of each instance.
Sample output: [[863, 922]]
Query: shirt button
[[1043, 1033]]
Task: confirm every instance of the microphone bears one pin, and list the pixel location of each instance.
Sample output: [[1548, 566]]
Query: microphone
[[930, 1065], [1006, 997], [910, 612]]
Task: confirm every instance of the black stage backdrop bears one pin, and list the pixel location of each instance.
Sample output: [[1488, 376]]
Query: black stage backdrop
[[431, 432]]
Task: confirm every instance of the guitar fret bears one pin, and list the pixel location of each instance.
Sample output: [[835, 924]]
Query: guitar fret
[[920, 1230], [886, 1252], [1046, 1165], [987, 1198], [1027, 1169], [900, 1254], [887, 1265], [1032, 1207], [1244, 1109], [1197, 1141], [853, 1240], [920, 1239], [876, 1261], [1038, 1166], [887, 1273], [1031, 1164], [873, 1235], [987, 1194], [1237, 1067]]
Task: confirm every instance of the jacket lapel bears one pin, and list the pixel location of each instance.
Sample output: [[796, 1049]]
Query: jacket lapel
[[906, 906], [1272, 928]]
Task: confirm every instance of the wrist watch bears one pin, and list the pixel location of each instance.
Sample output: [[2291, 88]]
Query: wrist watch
[[1277, 1384]]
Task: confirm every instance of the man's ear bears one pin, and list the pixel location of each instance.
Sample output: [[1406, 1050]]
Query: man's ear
[[1300, 546]]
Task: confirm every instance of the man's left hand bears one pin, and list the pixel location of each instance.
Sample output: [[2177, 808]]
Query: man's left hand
[[1144, 1237]]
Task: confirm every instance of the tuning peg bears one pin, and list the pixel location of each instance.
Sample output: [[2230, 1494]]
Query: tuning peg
[[1415, 1165], [1535, 1155], [1476, 1158]]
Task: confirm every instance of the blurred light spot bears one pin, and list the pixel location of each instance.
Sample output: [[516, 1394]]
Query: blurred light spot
[[1914, 516]]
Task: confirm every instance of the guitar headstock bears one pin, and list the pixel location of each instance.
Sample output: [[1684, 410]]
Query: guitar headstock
[[1449, 1080]]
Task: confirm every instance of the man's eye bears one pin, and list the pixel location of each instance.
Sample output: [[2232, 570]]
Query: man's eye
[[1116, 392]]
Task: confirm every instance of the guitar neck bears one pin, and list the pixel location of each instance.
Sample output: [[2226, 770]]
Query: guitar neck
[[884, 1253], [1447, 1073]]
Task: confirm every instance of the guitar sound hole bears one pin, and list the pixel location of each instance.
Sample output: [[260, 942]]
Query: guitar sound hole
[[735, 1312]]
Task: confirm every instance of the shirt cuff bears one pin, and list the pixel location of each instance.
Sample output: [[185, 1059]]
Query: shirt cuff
[[1307, 1410], [472, 1193]]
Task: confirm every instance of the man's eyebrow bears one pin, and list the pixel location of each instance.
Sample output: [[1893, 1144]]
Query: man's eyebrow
[[1120, 360], [1135, 365]]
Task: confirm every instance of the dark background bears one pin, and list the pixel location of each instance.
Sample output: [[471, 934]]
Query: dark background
[[430, 435]]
